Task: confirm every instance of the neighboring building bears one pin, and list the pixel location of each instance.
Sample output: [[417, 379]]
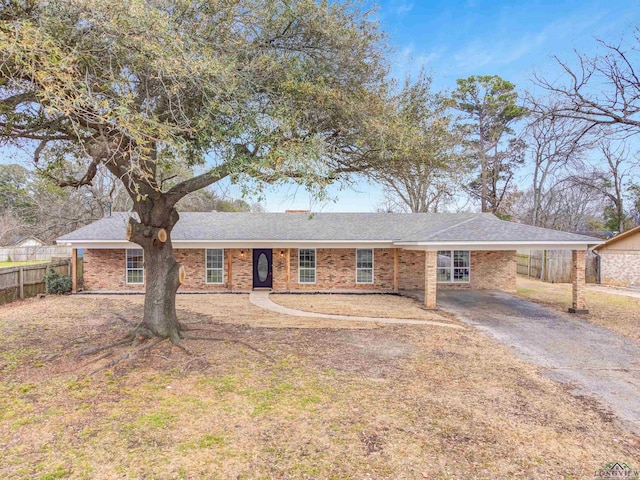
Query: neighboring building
[[620, 259], [29, 242], [327, 252]]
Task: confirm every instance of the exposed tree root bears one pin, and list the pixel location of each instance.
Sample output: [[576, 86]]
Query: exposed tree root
[[137, 338], [183, 348], [104, 355], [126, 355], [240, 342], [126, 321], [129, 339]]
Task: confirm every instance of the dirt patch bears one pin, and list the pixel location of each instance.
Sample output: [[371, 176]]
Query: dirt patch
[[615, 312], [389, 402]]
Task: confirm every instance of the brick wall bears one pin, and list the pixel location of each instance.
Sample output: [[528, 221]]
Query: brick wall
[[104, 269], [493, 270], [336, 269], [410, 270], [620, 267], [490, 270]]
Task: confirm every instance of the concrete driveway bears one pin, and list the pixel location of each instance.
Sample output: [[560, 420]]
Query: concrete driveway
[[594, 360]]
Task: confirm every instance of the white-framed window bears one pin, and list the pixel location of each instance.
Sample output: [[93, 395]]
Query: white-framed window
[[135, 266], [307, 265], [214, 268], [453, 266], [364, 265]]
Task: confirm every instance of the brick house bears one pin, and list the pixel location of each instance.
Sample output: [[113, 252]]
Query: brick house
[[377, 252], [620, 259]]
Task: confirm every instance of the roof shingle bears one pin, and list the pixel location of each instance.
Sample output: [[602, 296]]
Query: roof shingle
[[391, 227]]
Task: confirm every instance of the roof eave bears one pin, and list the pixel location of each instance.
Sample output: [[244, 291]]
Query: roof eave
[[617, 238], [498, 245]]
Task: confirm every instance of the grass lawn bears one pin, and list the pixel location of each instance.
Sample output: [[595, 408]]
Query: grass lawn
[[345, 401], [616, 312], [21, 264]]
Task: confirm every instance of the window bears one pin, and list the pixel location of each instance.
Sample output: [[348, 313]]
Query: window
[[306, 265], [135, 266], [453, 266], [364, 265], [214, 268]]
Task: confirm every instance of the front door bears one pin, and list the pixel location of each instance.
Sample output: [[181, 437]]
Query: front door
[[262, 268]]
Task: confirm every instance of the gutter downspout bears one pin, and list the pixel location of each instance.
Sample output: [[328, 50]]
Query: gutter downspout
[[598, 279]]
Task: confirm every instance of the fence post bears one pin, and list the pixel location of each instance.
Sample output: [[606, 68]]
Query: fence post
[[74, 270], [21, 280], [529, 265]]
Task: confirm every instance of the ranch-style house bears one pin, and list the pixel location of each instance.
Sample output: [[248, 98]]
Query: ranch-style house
[[328, 252]]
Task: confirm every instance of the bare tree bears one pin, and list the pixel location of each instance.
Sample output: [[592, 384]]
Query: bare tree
[[612, 182], [551, 146], [565, 206], [602, 91]]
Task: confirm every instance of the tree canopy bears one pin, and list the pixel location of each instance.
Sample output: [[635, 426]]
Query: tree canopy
[[425, 168], [489, 108]]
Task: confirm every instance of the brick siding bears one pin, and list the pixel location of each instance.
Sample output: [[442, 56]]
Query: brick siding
[[336, 270], [104, 269], [493, 270], [620, 267]]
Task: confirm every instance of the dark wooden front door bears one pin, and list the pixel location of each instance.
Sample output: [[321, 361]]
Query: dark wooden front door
[[262, 268]]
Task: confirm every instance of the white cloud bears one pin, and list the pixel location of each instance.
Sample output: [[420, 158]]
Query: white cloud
[[403, 8], [410, 61], [481, 53]]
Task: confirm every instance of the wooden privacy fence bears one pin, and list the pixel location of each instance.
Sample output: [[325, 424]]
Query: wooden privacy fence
[[28, 254], [27, 281], [554, 266]]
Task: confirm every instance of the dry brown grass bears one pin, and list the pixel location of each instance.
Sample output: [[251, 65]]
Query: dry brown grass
[[369, 305], [616, 312], [236, 309], [387, 402]]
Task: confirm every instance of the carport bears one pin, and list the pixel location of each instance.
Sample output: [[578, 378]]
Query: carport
[[485, 234]]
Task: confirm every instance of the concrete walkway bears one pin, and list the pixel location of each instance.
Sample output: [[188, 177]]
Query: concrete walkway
[[622, 291], [261, 299], [597, 361]]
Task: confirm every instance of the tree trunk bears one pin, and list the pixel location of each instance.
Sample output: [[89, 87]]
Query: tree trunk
[[161, 270], [160, 267]]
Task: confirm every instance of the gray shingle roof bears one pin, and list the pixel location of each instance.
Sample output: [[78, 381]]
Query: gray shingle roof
[[397, 227]]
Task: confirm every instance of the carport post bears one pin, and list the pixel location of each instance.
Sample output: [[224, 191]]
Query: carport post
[[430, 278], [578, 282]]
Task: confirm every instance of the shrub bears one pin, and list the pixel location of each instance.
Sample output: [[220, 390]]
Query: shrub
[[56, 283]]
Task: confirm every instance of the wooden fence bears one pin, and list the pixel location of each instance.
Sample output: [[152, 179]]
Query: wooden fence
[[554, 266], [28, 254], [27, 281]]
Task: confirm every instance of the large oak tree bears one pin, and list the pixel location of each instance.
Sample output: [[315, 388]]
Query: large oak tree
[[253, 89]]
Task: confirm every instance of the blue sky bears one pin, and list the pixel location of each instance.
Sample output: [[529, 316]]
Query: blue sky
[[456, 39]]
